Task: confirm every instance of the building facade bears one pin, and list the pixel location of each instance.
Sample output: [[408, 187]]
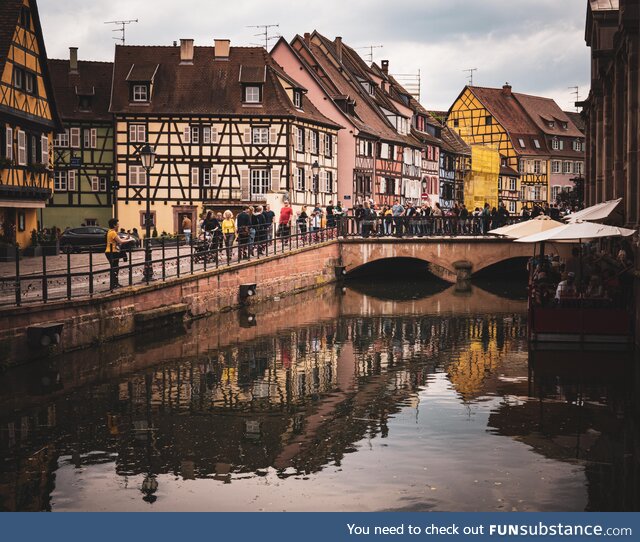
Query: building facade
[[28, 120], [611, 110], [228, 126], [84, 151]]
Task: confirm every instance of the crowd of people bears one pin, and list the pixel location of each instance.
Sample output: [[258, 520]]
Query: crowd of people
[[596, 274]]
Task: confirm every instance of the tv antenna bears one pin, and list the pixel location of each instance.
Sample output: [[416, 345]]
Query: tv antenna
[[576, 91], [370, 48], [122, 25], [470, 70], [265, 32]]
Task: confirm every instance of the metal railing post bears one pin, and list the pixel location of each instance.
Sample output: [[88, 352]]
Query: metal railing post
[[68, 274], [130, 266], [191, 253], [91, 271], [164, 273], [177, 255], [45, 293], [17, 284]]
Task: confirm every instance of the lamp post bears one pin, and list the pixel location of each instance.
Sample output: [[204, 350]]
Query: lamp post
[[148, 158], [315, 169]]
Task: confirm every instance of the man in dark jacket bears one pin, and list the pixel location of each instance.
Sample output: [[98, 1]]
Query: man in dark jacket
[[244, 225]]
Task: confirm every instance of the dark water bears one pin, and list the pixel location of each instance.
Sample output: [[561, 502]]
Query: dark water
[[398, 395]]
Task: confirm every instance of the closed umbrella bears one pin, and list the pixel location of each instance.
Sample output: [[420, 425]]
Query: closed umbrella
[[528, 227], [599, 211], [577, 232]]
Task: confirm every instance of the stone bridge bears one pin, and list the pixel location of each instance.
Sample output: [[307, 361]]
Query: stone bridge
[[453, 259]]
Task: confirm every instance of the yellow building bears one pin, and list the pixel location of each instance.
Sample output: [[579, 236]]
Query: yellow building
[[482, 184], [28, 119]]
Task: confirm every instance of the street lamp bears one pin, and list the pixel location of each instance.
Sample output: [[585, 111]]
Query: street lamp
[[148, 158], [315, 169]]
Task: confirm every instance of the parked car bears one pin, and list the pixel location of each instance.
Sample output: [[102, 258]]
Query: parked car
[[91, 238]]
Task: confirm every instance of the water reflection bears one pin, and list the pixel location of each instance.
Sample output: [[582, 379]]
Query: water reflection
[[332, 401]]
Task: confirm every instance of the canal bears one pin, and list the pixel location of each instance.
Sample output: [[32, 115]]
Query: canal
[[393, 394]]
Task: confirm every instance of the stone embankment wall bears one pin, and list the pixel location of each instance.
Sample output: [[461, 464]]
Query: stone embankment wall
[[93, 321]]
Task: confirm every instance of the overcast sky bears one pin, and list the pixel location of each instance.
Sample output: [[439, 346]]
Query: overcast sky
[[536, 45]]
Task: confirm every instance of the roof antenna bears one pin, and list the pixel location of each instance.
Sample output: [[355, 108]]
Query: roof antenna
[[576, 91], [371, 48], [265, 32], [470, 76], [121, 24]]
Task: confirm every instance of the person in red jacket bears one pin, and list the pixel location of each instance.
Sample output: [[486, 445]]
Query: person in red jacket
[[284, 224]]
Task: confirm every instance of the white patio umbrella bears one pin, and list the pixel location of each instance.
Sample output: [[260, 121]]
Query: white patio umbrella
[[577, 232], [596, 212], [528, 227]]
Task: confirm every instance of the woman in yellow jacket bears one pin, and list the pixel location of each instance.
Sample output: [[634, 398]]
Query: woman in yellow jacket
[[228, 231]]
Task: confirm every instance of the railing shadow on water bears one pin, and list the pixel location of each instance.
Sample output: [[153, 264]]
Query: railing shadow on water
[[87, 275]]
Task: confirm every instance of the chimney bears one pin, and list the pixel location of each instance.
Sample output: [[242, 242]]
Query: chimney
[[506, 89], [384, 65], [338, 43], [73, 60], [186, 51], [222, 49], [307, 39]]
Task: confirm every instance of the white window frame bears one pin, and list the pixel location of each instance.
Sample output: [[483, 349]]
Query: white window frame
[[328, 145], [62, 140], [315, 142], [555, 190], [252, 94], [536, 143], [537, 167], [577, 145], [329, 182], [206, 176], [300, 180], [577, 168], [137, 133], [95, 184], [567, 167], [259, 182], [90, 138], [137, 176], [29, 82], [9, 143], [60, 180], [522, 143], [44, 149], [206, 135], [512, 206], [556, 166], [513, 184], [555, 144], [521, 165], [297, 99], [22, 148], [260, 135], [74, 138], [195, 135], [300, 139], [140, 93]]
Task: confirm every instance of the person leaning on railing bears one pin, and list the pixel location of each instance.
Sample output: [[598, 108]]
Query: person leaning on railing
[[228, 231], [112, 252]]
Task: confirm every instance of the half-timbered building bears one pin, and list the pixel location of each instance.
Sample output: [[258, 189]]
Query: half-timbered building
[[229, 127], [84, 151], [28, 119]]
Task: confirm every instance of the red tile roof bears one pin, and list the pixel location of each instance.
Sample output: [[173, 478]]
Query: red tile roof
[[209, 86], [93, 78], [543, 110]]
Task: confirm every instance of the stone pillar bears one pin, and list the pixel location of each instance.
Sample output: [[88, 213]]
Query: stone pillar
[[599, 151], [463, 275], [633, 174], [607, 143], [618, 129]]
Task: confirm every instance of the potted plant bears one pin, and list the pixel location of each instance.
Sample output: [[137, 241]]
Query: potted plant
[[38, 168], [35, 249], [44, 242], [5, 163]]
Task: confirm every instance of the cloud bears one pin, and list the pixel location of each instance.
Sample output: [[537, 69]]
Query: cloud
[[536, 45]]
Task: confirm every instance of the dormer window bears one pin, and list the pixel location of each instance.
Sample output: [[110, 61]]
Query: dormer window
[[297, 99], [253, 94], [84, 103], [521, 141], [536, 143], [551, 124], [140, 93], [564, 125]]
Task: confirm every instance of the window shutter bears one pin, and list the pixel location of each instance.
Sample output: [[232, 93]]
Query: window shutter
[[214, 176], [132, 133], [9, 143], [75, 138], [187, 134], [307, 143], [71, 181], [275, 179], [244, 185], [398, 188], [195, 176], [273, 138], [44, 144], [87, 138], [321, 149], [247, 137], [22, 148], [214, 134], [94, 138], [95, 184], [383, 186]]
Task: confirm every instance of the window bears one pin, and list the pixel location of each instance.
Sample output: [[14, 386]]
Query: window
[[456, 123], [22, 148], [140, 93], [577, 168], [29, 83], [195, 176], [137, 133], [71, 180], [577, 145], [60, 181], [537, 192], [186, 133], [556, 166], [328, 145], [260, 135], [329, 182], [365, 148], [555, 144], [499, 183], [300, 184], [521, 165], [512, 206], [537, 166], [512, 184], [103, 184], [314, 142], [62, 140], [408, 156], [488, 120], [90, 138], [555, 190], [259, 182], [18, 77], [137, 176], [206, 176], [195, 135], [300, 139], [206, 135], [567, 167], [44, 149], [521, 142], [75, 138], [297, 99], [536, 143], [252, 95], [95, 184], [84, 103], [8, 152], [564, 125], [560, 144]]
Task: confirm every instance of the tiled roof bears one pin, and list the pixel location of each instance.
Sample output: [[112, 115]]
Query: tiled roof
[[453, 142], [542, 110], [93, 78], [208, 86], [577, 120], [9, 14]]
